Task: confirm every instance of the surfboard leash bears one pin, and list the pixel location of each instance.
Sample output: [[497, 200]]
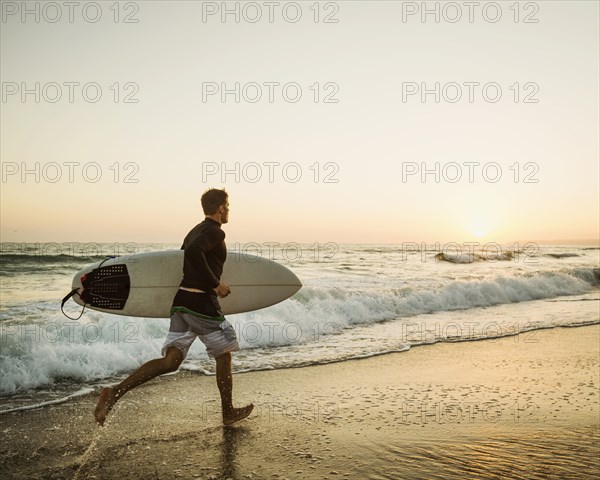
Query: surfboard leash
[[69, 295], [76, 291]]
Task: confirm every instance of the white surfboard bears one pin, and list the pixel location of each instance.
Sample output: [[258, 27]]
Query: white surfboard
[[144, 284]]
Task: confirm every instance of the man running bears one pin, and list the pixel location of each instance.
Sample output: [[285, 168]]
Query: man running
[[195, 313]]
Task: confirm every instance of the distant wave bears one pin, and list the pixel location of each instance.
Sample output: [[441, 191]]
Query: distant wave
[[562, 255], [473, 257], [589, 275], [16, 265], [477, 257], [27, 260]]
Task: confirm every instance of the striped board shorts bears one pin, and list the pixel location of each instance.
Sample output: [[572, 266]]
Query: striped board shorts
[[216, 333]]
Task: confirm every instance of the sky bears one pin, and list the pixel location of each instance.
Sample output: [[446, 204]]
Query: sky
[[349, 121]]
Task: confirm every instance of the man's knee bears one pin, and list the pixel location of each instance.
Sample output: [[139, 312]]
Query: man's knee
[[173, 358]]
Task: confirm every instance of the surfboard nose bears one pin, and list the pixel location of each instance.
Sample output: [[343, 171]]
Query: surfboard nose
[[295, 280]]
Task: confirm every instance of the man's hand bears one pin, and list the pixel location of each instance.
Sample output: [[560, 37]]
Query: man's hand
[[222, 290]]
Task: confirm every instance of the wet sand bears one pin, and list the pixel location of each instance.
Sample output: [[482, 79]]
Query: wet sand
[[518, 407]]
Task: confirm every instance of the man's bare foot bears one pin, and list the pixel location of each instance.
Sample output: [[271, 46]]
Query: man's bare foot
[[105, 403], [237, 414]]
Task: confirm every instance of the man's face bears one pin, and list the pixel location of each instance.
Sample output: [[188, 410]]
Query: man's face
[[224, 209]]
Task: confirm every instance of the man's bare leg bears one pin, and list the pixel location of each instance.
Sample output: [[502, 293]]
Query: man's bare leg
[[149, 370], [225, 384]]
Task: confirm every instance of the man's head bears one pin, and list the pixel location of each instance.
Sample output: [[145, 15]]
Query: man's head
[[215, 204]]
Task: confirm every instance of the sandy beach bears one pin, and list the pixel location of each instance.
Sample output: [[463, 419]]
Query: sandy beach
[[517, 407]]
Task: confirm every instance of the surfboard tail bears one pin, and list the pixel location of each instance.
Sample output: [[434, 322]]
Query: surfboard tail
[[106, 287]]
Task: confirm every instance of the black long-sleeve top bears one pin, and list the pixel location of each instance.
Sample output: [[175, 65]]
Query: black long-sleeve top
[[205, 253]]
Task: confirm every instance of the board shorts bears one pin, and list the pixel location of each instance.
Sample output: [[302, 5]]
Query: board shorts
[[209, 325]]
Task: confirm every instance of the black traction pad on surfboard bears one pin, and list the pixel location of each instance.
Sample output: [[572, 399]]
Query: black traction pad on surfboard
[[106, 287]]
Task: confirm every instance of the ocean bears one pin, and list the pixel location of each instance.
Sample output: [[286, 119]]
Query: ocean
[[357, 301]]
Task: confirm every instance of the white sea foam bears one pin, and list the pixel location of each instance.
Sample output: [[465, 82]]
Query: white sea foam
[[104, 345], [336, 315], [35, 355]]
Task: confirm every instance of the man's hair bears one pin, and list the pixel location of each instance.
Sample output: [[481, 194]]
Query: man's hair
[[212, 199]]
